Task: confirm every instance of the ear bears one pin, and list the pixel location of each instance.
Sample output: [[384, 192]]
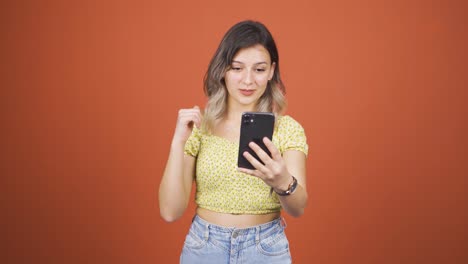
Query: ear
[[272, 70]]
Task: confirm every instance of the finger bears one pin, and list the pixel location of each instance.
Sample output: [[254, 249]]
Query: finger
[[188, 122], [199, 114], [275, 153], [197, 110], [255, 163], [254, 173], [260, 153], [190, 116], [190, 111]]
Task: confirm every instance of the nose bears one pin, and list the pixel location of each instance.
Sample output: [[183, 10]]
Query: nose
[[248, 78]]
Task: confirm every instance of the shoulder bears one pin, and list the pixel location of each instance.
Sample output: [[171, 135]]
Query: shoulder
[[287, 123], [192, 145], [290, 135]]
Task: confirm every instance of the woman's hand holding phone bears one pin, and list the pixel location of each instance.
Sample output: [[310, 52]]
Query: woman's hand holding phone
[[273, 171], [186, 119]]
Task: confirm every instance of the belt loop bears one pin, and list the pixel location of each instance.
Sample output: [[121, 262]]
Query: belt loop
[[257, 235], [283, 223], [207, 231]]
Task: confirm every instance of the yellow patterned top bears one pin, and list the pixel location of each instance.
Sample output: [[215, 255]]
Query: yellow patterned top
[[220, 187]]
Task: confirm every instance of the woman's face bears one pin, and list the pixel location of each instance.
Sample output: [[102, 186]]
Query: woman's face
[[248, 76]]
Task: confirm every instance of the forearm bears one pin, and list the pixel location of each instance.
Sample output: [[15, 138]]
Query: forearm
[[295, 203], [174, 190]]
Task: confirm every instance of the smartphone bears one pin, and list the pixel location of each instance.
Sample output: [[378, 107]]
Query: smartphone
[[254, 127]]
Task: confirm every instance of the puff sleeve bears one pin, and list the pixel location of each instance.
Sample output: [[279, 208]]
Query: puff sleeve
[[291, 135], [192, 146]]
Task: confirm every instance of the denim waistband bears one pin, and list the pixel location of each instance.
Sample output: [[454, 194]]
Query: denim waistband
[[256, 232], [277, 221]]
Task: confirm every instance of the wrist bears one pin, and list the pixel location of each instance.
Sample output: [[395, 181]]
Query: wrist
[[284, 186], [290, 189]]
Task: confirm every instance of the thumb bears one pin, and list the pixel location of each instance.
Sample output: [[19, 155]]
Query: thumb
[[198, 108], [197, 124]]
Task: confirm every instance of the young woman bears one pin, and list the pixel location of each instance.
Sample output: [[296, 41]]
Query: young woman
[[238, 216]]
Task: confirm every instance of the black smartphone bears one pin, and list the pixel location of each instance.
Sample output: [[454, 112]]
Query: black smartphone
[[254, 127]]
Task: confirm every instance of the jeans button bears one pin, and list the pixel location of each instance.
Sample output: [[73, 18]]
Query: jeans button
[[234, 234]]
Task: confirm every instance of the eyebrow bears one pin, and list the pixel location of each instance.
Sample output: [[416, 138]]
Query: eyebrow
[[262, 62]]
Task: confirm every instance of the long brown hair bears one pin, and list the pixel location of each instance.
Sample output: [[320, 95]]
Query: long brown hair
[[242, 35]]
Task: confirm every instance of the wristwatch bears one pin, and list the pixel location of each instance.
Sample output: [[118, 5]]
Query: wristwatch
[[292, 186]]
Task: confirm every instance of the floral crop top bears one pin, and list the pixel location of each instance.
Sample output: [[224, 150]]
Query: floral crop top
[[220, 187]]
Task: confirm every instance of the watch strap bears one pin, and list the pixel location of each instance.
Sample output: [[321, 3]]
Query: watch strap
[[291, 188]]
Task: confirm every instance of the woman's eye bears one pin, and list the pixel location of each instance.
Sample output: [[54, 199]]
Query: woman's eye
[[260, 70], [235, 68]]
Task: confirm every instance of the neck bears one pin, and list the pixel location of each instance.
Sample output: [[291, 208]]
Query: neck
[[234, 112]]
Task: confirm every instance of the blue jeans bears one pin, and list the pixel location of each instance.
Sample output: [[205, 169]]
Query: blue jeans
[[209, 243]]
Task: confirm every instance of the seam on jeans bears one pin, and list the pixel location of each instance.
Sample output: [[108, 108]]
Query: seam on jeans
[[207, 232], [257, 235], [200, 243], [274, 238], [217, 244], [274, 229], [262, 250]]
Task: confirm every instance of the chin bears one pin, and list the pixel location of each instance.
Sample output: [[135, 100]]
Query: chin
[[248, 103]]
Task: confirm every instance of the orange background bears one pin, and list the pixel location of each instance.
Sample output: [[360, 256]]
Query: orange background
[[90, 93]]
